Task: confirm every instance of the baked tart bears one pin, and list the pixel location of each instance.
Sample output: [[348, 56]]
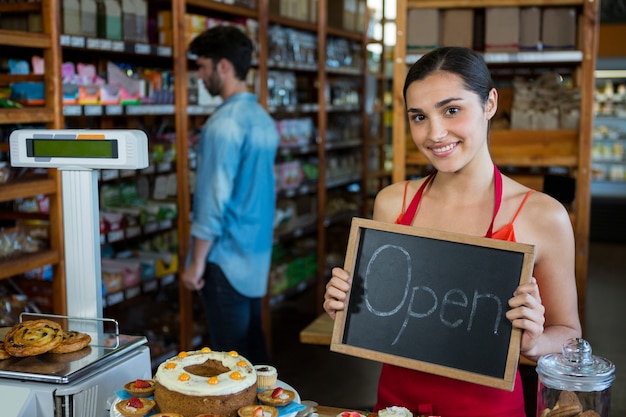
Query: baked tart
[[276, 397], [258, 411], [135, 406], [33, 337], [140, 387]]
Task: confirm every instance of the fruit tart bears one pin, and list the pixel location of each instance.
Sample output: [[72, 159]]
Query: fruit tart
[[140, 387], [276, 397], [135, 406]]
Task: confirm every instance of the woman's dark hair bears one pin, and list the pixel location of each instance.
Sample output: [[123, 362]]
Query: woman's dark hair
[[226, 42], [463, 62]]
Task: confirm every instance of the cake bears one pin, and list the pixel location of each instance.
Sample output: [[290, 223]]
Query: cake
[[205, 382], [266, 376]]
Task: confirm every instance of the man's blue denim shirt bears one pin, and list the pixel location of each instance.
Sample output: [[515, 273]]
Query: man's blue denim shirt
[[234, 196]]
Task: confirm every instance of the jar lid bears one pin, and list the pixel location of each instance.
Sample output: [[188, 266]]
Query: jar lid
[[576, 369]]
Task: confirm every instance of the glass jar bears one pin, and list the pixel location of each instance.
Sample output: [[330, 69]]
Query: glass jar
[[574, 381]]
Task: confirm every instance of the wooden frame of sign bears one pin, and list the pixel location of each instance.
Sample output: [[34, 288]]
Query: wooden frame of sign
[[432, 301]]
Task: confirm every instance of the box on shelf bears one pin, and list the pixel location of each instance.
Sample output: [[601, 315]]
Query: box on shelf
[[130, 270], [164, 263], [423, 28], [88, 18], [70, 10], [110, 20], [457, 27], [502, 29], [530, 29], [558, 29]]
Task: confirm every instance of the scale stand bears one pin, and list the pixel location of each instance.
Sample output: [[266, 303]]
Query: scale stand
[[77, 154]]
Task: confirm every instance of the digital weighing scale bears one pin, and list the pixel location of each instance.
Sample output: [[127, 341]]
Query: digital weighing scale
[[80, 384]]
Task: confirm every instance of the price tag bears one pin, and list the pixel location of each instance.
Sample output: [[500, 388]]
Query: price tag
[[168, 279], [106, 44], [132, 292], [93, 43], [114, 110], [116, 298], [133, 231], [151, 285], [164, 50], [72, 110], [77, 41], [117, 46], [150, 227], [64, 40], [115, 236], [142, 48], [93, 110], [165, 224]]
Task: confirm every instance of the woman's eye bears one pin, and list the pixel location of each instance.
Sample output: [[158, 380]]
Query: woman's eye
[[418, 117], [450, 111]]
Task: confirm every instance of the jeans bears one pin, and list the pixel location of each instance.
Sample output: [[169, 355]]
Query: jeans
[[234, 321]]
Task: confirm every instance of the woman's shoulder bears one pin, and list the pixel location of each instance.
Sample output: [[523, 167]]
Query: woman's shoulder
[[394, 198]]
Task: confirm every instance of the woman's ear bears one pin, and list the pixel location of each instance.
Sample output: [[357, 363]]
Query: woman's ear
[[491, 106]]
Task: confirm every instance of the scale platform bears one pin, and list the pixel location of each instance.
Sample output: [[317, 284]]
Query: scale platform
[[64, 368]]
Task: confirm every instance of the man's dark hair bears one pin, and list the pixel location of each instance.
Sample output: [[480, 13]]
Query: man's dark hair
[[226, 42]]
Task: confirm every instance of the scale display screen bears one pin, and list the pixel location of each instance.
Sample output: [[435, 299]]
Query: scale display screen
[[79, 148], [70, 148]]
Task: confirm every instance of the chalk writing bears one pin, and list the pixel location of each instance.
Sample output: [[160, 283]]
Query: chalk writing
[[418, 310]]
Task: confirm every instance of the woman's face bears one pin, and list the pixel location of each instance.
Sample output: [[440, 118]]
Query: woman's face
[[448, 122]]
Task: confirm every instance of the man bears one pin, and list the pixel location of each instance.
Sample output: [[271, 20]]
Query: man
[[234, 198]]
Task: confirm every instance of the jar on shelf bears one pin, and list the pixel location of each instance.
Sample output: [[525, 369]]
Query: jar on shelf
[[574, 381]]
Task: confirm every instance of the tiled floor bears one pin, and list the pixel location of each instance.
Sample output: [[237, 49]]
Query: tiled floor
[[335, 379]]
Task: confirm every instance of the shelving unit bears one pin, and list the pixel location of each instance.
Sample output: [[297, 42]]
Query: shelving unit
[[332, 96], [531, 150], [44, 43]]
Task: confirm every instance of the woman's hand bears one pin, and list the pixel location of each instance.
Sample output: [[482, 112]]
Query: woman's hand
[[527, 313], [336, 291]]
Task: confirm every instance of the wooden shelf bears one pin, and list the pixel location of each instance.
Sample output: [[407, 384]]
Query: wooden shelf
[[24, 39], [447, 4], [27, 188], [24, 263], [27, 115]]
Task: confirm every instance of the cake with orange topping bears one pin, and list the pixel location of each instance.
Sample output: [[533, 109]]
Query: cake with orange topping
[[204, 381]]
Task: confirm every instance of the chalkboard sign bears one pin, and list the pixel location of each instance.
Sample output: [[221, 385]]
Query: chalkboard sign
[[433, 301]]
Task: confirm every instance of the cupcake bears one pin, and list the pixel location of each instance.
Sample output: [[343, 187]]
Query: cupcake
[[266, 376]]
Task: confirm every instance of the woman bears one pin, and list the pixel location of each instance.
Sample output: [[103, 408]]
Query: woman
[[450, 101]]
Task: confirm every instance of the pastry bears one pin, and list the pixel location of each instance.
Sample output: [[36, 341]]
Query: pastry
[[166, 415], [3, 353], [203, 381], [140, 387], [135, 406], [33, 337], [266, 376], [258, 411], [276, 397], [73, 341]]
